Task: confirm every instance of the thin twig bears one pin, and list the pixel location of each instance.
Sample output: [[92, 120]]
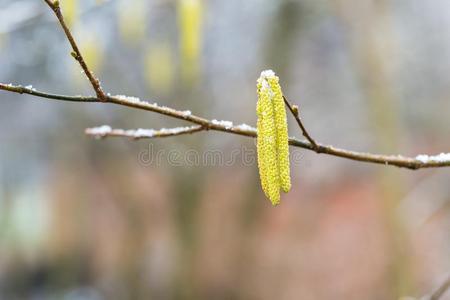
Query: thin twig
[[137, 134], [54, 5], [31, 91], [295, 112], [243, 130]]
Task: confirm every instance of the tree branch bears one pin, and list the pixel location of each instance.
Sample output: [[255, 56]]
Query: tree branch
[[32, 91], [419, 162]]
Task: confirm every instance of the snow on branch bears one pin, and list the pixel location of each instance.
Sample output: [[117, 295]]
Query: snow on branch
[[137, 134]]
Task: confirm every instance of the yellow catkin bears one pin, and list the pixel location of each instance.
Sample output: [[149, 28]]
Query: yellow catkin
[[70, 11], [190, 22], [272, 140], [132, 19]]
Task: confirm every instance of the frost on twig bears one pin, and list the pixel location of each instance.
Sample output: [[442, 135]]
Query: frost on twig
[[226, 124], [245, 127], [107, 131], [440, 158]]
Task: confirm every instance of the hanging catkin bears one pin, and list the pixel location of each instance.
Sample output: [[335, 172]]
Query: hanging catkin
[[272, 140]]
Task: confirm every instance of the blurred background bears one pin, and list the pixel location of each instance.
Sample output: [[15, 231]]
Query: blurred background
[[118, 219]]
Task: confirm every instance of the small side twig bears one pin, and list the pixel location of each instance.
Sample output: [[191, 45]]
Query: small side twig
[[33, 92], [137, 134], [76, 53], [295, 112]]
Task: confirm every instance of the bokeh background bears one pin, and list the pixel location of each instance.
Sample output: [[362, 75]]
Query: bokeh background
[[106, 219]]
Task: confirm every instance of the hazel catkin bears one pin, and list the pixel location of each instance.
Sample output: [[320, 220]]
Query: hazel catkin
[[272, 139]]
